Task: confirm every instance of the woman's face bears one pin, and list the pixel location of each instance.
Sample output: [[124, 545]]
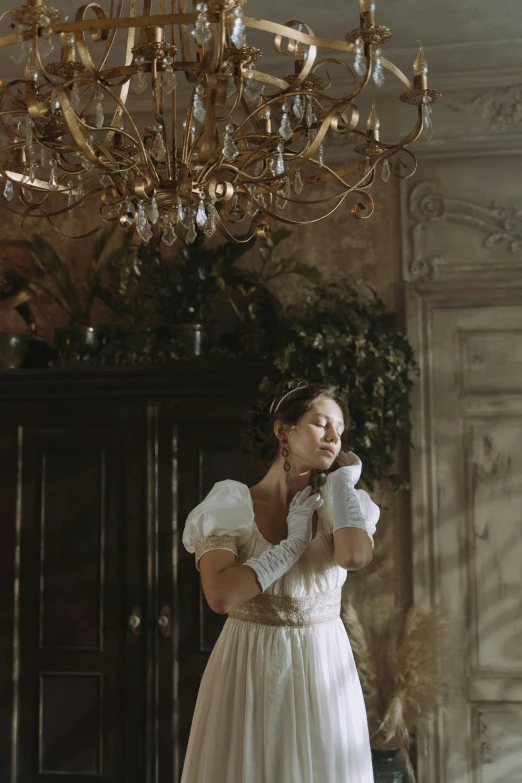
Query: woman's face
[[315, 441]]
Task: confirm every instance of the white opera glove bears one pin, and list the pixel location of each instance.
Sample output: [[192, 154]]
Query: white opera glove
[[370, 511], [346, 510], [275, 562]]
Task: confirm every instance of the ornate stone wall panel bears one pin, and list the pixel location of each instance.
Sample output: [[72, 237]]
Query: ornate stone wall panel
[[462, 221]]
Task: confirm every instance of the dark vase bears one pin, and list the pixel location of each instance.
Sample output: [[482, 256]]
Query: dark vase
[[13, 347], [82, 341], [387, 767]]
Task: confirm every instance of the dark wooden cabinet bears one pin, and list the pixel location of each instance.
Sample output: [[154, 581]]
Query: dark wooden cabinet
[[104, 630]]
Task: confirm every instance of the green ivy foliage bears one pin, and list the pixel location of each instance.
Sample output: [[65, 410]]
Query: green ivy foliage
[[345, 335]]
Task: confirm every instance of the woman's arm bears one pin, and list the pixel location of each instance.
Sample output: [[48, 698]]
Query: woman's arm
[[352, 544], [225, 584], [353, 548]]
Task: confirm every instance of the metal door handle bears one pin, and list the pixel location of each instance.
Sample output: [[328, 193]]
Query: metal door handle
[[165, 621], [134, 621]]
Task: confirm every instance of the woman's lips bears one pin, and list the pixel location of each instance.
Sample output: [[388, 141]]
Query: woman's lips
[[330, 451]]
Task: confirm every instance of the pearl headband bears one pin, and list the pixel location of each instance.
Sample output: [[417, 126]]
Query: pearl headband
[[301, 385]]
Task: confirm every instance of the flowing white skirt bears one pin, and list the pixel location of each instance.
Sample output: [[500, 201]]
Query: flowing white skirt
[[280, 705]]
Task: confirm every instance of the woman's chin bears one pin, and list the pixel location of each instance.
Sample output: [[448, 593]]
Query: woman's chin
[[325, 461]]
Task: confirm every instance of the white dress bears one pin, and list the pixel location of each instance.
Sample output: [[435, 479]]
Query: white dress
[[280, 699]]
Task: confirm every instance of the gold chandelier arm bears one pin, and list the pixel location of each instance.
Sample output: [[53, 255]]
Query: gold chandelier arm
[[93, 26], [83, 51], [307, 68], [124, 88], [184, 32]]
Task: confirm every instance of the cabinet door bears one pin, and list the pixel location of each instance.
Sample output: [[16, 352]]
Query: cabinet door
[[73, 673], [199, 443]]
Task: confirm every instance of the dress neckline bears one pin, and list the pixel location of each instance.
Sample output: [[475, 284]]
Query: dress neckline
[[257, 530]]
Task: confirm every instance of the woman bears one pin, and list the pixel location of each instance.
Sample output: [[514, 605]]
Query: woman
[[280, 700]]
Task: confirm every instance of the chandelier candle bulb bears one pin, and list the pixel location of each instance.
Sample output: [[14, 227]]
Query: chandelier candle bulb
[[420, 70], [367, 13], [373, 123]]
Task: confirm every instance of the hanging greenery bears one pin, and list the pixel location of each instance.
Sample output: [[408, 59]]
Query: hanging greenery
[[344, 334]]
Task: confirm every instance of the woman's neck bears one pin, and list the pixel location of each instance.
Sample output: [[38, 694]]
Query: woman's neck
[[273, 487]]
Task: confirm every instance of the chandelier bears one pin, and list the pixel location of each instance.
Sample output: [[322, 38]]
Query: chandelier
[[249, 144]]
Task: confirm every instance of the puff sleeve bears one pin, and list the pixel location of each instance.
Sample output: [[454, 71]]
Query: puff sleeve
[[223, 520]]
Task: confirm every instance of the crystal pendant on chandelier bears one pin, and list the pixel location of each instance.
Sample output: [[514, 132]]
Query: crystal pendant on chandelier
[[252, 88], [309, 113], [280, 199], [252, 208], [211, 224], [298, 107], [378, 70], [320, 156], [70, 193], [169, 235], [9, 190], [428, 119], [158, 145], [385, 173], [20, 53], [99, 115], [26, 194], [46, 46], [238, 36], [154, 214], [80, 190], [298, 182], [285, 129], [200, 111], [280, 161], [230, 149], [202, 31], [181, 210], [169, 82], [138, 81], [31, 73], [53, 178], [142, 224], [74, 97], [191, 233], [201, 214], [359, 64]]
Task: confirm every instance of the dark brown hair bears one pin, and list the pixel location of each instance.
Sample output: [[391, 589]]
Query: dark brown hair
[[259, 437]]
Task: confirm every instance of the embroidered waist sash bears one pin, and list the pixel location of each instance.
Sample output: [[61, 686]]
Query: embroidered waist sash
[[289, 611]]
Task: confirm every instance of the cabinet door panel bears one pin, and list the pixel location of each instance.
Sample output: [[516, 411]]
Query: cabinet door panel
[[77, 690]]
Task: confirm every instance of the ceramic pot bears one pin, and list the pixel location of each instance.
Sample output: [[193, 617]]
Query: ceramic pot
[[13, 348]]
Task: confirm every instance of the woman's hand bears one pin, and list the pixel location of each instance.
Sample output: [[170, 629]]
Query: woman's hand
[[300, 513], [346, 458]]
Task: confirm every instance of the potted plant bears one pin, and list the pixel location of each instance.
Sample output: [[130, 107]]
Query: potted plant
[[250, 293], [344, 334], [399, 654], [182, 289], [74, 295]]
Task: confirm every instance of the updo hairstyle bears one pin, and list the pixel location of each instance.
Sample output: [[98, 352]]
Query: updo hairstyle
[[259, 438]]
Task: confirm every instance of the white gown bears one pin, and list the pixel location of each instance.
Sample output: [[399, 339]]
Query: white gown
[[280, 699]]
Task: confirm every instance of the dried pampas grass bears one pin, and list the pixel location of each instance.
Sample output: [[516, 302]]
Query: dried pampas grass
[[399, 656]]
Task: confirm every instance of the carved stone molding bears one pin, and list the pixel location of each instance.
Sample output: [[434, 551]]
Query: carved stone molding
[[500, 225], [501, 108], [423, 270]]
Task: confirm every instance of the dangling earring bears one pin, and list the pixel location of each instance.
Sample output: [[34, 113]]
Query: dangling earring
[[287, 467]]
